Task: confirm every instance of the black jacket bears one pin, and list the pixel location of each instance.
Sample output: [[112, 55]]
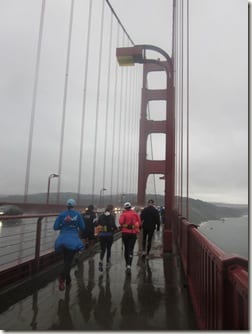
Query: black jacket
[[150, 218], [108, 222]]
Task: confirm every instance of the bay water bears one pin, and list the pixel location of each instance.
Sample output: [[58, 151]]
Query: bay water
[[229, 234]]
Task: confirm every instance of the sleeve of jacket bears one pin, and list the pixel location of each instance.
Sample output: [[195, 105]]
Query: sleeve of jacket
[[157, 220], [58, 222], [114, 224], [121, 219], [138, 220], [142, 214]]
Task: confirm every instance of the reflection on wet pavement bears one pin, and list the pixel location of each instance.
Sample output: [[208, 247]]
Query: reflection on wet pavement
[[153, 297]]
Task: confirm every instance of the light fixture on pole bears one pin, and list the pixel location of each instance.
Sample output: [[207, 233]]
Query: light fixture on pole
[[51, 176], [101, 191]]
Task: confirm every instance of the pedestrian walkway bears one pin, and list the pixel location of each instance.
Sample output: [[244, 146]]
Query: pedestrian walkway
[[153, 297]]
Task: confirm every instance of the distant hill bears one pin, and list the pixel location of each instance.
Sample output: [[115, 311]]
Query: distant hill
[[203, 211], [199, 211]]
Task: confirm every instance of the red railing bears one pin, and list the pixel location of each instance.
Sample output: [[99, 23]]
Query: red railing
[[218, 282]]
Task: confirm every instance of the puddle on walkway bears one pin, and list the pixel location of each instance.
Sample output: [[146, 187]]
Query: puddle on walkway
[[150, 299]]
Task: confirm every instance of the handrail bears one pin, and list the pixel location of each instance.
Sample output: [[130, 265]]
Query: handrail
[[32, 246], [218, 282], [31, 239]]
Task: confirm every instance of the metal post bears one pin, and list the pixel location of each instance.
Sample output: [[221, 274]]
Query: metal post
[[48, 186]]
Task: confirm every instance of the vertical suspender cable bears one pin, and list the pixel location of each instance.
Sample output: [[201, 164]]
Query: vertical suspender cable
[[182, 99], [114, 123], [137, 120], [129, 151], [124, 130], [175, 66], [178, 58], [65, 98], [97, 102], [34, 100], [120, 126], [188, 109], [84, 99], [107, 104]]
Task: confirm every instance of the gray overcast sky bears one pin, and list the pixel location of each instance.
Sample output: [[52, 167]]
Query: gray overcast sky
[[218, 87]]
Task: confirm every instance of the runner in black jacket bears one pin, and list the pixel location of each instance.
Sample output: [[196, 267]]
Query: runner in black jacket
[[150, 221]]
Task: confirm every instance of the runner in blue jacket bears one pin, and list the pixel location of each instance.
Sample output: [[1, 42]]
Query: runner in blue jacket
[[69, 223]]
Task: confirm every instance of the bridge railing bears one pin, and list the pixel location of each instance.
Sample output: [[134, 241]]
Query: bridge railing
[[218, 282], [26, 245]]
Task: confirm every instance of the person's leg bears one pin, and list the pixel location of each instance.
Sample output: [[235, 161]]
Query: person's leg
[[103, 250], [109, 245], [150, 235], [144, 240], [131, 245], [126, 250], [103, 247], [65, 273], [69, 255]]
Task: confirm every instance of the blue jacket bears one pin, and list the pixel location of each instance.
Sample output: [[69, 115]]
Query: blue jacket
[[69, 222]]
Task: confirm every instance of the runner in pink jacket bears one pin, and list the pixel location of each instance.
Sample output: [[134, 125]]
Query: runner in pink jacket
[[130, 225]]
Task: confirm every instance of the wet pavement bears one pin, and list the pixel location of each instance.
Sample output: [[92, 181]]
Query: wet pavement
[[153, 297]]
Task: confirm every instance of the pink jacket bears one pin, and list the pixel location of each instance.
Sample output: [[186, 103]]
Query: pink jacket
[[130, 222]]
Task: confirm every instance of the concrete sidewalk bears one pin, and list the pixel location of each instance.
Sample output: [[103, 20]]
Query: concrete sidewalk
[[153, 297]]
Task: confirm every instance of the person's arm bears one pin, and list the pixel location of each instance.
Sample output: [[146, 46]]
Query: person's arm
[[58, 223], [142, 215], [138, 221], [121, 219], [114, 224]]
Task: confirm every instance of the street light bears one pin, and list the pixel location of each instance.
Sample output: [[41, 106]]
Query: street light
[[103, 189], [51, 176], [122, 199], [128, 56]]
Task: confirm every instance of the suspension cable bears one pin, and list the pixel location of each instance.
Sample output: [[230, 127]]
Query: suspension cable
[[97, 102], [84, 99], [107, 103], [34, 100], [120, 23], [65, 97], [114, 120], [120, 125], [182, 103], [188, 112], [124, 129]]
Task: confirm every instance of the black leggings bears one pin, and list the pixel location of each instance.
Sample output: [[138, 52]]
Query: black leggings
[[149, 234], [106, 244], [68, 258], [129, 240]]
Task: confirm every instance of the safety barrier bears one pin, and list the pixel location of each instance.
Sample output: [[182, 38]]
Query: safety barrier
[[218, 282], [26, 246]]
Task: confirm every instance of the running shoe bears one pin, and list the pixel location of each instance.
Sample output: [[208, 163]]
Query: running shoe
[[100, 266], [61, 284], [128, 270]]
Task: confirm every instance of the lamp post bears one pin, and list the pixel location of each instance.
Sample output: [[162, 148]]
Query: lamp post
[[101, 191], [51, 176], [128, 56], [122, 199]]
